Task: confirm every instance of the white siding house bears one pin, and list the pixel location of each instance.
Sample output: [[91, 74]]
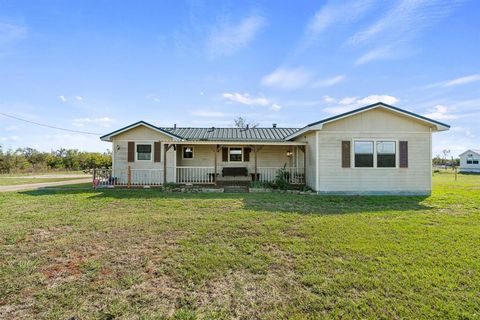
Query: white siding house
[[470, 161], [377, 149]]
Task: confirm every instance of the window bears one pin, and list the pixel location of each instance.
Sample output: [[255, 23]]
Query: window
[[187, 152], [364, 154], [471, 159], [235, 154], [144, 152], [386, 154]]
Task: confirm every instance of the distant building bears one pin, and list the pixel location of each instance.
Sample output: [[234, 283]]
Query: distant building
[[470, 161]]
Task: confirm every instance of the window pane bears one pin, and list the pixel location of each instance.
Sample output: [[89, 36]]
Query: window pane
[[144, 156], [235, 154], [187, 153], [364, 160], [364, 147], [386, 147], [386, 151], [144, 148], [386, 161], [364, 154]]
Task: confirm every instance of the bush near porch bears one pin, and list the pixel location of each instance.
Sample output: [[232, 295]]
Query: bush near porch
[[85, 254]]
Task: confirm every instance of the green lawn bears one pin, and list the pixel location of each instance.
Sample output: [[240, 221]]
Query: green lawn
[[17, 181], [84, 254]]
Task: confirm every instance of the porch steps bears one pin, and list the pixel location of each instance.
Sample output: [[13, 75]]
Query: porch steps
[[236, 189]]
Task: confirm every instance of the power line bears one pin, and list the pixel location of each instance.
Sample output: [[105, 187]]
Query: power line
[[47, 125]]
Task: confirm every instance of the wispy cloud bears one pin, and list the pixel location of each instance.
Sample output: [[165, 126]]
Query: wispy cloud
[[456, 82], [395, 30], [62, 98], [349, 103], [10, 32], [248, 100], [287, 79], [78, 98], [104, 121], [329, 81], [227, 39], [333, 14], [441, 112]]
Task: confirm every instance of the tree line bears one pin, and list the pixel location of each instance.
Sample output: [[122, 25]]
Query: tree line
[[32, 160]]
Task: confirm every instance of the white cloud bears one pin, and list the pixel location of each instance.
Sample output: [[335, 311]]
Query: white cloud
[[246, 99], [286, 79], [227, 39], [202, 93], [349, 103], [103, 122], [378, 98], [347, 100], [275, 107], [62, 98], [12, 128], [440, 112], [78, 98], [329, 81], [328, 99]]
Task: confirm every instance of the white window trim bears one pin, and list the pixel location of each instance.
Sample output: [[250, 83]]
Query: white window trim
[[243, 154], [193, 152], [151, 151], [375, 140]]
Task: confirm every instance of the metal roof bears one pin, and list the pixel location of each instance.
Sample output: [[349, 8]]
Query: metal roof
[[236, 134]]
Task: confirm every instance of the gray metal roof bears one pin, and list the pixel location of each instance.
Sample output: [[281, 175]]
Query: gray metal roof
[[226, 134]]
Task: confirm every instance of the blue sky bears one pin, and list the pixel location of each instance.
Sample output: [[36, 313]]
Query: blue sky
[[99, 65]]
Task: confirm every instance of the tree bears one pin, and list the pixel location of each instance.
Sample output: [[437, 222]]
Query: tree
[[241, 122]]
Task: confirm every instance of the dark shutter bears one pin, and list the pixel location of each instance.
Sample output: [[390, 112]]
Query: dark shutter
[[224, 154], [131, 151], [156, 151], [246, 156], [403, 146], [346, 154]]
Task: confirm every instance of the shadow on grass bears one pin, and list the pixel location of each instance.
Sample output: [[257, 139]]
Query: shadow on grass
[[273, 202]]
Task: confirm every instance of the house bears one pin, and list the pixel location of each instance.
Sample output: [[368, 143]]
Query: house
[[377, 149], [470, 161]]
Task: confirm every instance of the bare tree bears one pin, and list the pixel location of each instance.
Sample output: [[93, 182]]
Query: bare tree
[[445, 152], [241, 122]]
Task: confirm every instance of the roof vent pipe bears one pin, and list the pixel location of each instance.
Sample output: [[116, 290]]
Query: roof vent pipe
[[274, 125], [174, 126], [247, 126]]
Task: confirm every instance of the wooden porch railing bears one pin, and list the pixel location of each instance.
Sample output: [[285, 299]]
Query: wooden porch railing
[[146, 177], [199, 175], [294, 175]]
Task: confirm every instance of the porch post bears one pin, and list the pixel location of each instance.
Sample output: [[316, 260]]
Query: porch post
[[304, 149], [165, 149], [215, 163], [255, 177]]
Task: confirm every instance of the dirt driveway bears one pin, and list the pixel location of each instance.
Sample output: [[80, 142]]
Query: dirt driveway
[[33, 186]]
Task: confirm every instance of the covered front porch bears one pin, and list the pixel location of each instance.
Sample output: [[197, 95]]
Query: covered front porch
[[216, 163]]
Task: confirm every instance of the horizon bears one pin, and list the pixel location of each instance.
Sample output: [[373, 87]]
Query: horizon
[[97, 67]]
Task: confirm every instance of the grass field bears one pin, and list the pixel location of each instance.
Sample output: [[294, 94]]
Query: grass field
[[81, 254], [17, 181]]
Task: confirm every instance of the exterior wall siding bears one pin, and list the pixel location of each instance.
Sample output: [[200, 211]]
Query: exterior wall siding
[[376, 125]]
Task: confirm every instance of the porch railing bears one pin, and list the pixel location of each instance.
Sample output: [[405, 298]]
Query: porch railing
[[146, 177], [293, 175], [200, 175]]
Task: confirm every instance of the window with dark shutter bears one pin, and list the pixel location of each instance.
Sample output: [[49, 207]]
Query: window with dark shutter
[[224, 154], [403, 148], [345, 154], [131, 151], [386, 154], [144, 152]]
